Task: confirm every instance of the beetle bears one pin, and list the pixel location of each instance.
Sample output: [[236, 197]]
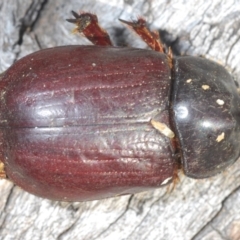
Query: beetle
[[82, 123]]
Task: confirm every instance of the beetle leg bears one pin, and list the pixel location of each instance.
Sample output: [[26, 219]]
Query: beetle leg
[[151, 38], [2, 172], [175, 179], [87, 24], [170, 57]]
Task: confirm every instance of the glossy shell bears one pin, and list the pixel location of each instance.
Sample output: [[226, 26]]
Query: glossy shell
[[85, 122], [206, 108], [76, 124]]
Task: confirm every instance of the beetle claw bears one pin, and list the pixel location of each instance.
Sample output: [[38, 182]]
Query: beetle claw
[[76, 15], [151, 38], [134, 24], [126, 22], [87, 24], [72, 20]]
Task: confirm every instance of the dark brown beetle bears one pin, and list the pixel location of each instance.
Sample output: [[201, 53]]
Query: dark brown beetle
[[88, 122]]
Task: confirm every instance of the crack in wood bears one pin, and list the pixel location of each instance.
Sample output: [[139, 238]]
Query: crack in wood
[[216, 215], [116, 220], [4, 211], [30, 18]]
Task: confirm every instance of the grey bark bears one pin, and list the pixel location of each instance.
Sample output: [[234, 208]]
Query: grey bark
[[196, 209]]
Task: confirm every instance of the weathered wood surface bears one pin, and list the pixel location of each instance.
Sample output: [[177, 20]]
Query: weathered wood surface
[[196, 209]]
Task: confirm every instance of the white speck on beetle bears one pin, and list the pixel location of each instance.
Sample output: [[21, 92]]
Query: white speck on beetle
[[163, 128], [220, 102], [167, 180], [94, 64], [189, 80], [205, 87], [181, 112], [220, 137], [69, 65]]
